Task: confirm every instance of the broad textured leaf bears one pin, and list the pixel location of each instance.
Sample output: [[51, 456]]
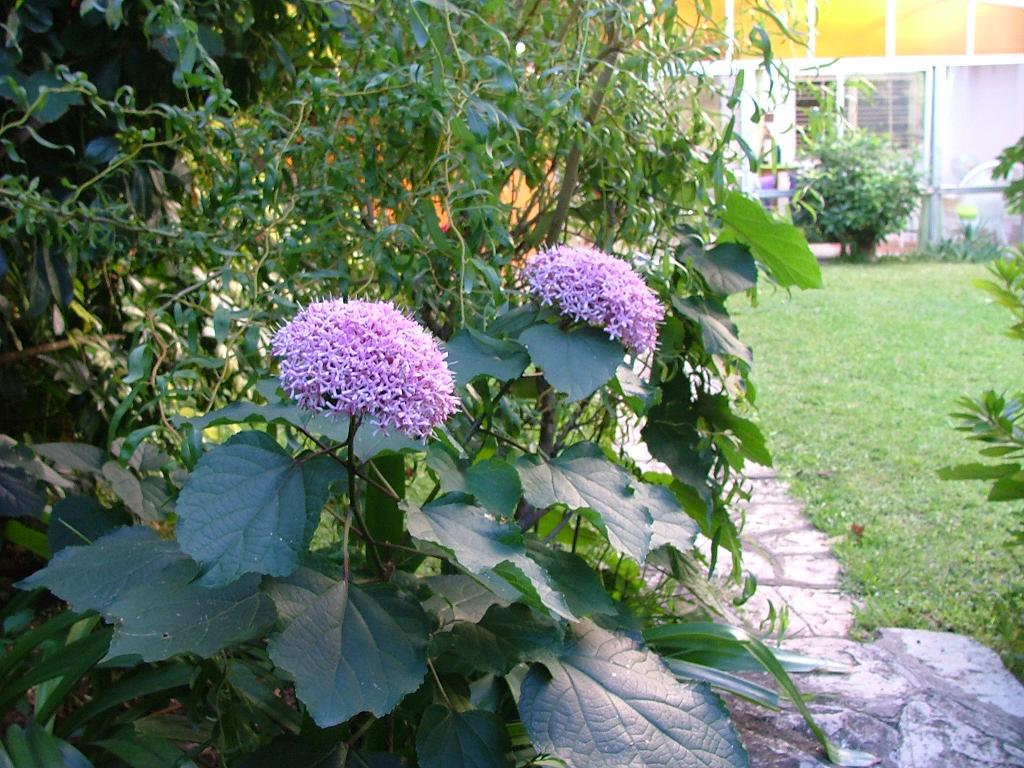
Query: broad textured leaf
[[248, 507], [15, 454], [505, 636], [672, 525], [127, 487], [718, 332], [354, 650], [728, 268], [574, 362], [672, 438], [494, 483], [20, 494], [295, 593], [162, 620], [480, 542], [92, 577], [369, 442], [779, 246], [78, 520], [610, 703], [582, 477], [575, 579], [460, 598], [472, 353], [450, 739]]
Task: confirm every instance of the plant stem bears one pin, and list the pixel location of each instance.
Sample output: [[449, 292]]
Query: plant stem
[[438, 681]]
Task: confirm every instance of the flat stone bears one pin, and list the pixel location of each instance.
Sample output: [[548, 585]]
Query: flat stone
[[816, 570], [913, 699], [774, 516], [799, 541]]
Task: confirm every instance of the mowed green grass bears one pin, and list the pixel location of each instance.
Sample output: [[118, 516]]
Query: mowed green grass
[[855, 384]]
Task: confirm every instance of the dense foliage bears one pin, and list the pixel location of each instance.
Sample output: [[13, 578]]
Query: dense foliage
[[249, 582], [860, 189]]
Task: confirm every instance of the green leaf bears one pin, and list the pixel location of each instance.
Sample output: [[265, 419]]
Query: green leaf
[[582, 477], [728, 268], [504, 637], [369, 442], [293, 750], [717, 330], [472, 353], [78, 456], [93, 577], [127, 488], [574, 362], [608, 702], [249, 507], [474, 739], [672, 438], [574, 578], [20, 494], [140, 751], [493, 482], [460, 598], [724, 681], [162, 620], [78, 520], [480, 543], [976, 471], [672, 526], [779, 246], [1007, 488], [33, 747], [354, 650]]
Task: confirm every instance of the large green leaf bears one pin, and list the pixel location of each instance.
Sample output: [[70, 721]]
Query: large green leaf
[[78, 520], [450, 739], [728, 268], [20, 494], [609, 703], [575, 579], [504, 637], [94, 576], [472, 353], [460, 598], [582, 477], [779, 246], [78, 456], [574, 362], [369, 441], [672, 526], [162, 620], [494, 483], [354, 650], [672, 438], [718, 332], [480, 543], [249, 507]]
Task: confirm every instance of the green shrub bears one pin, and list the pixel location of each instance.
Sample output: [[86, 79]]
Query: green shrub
[[860, 190]]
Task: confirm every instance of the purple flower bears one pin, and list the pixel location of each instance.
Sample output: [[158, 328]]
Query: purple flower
[[594, 287], [365, 358]]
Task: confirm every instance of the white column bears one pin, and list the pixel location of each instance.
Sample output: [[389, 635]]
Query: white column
[[890, 28]]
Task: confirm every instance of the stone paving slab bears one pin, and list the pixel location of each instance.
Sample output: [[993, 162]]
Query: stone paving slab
[[912, 698]]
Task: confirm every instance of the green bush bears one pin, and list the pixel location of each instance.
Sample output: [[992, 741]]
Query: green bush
[[250, 585], [860, 190]]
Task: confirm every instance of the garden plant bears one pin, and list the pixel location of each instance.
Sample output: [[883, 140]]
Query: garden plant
[[860, 188], [317, 426]]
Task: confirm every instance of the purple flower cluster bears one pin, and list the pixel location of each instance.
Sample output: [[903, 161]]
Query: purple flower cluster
[[594, 287], [365, 358]]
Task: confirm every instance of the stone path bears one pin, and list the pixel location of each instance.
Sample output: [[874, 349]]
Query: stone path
[[912, 698]]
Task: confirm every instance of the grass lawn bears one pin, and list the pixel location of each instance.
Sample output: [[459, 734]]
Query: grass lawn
[[855, 385]]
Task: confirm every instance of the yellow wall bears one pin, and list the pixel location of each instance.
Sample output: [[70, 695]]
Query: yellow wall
[[858, 27]]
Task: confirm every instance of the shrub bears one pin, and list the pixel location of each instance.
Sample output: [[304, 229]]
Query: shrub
[[860, 189], [273, 585]]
